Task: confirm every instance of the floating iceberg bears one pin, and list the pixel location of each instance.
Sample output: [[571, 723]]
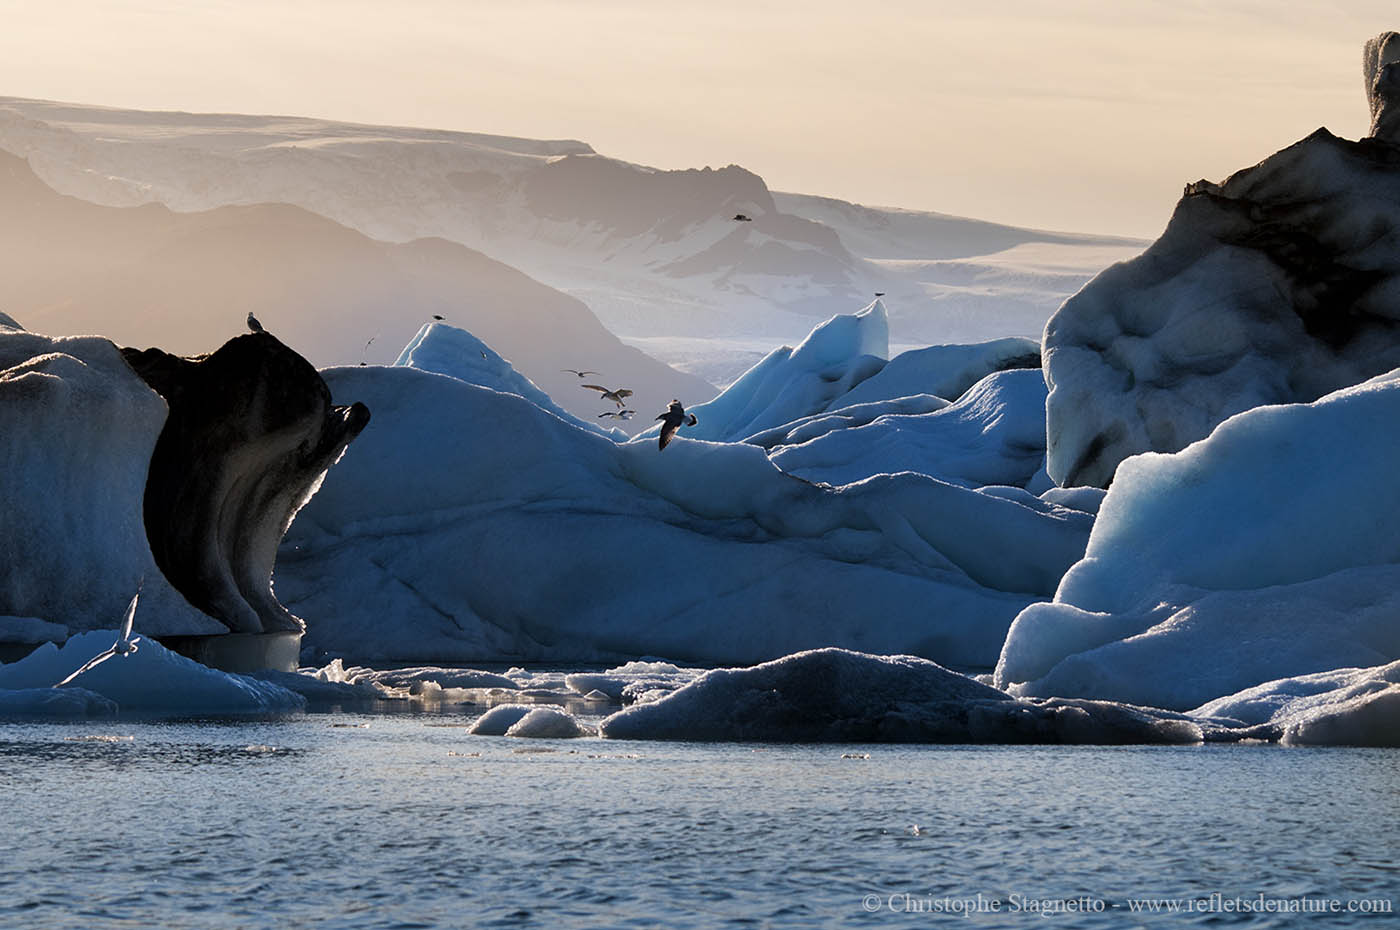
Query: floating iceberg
[[993, 435], [458, 354], [833, 695], [548, 723], [1279, 285], [1265, 551], [151, 680], [1347, 707], [792, 383], [471, 525]]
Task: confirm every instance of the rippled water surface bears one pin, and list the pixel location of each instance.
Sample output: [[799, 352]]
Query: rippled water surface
[[408, 821]]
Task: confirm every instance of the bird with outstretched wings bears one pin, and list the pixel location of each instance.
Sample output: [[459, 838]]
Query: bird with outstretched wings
[[673, 419], [616, 397], [124, 646]]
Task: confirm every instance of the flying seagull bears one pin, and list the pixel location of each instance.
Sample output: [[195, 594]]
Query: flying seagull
[[581, 374], [253, 323], [614, 396], [879, 293], [619, 414], [437, 316], [124, 646], [673, 419], [741, 218]]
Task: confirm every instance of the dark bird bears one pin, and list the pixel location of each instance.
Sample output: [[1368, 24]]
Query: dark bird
[[673, 419], [253, 323], [124, 646], [619, 414], [741, 218], [437, 316], [614, 396], [581, 374], [879, 293]]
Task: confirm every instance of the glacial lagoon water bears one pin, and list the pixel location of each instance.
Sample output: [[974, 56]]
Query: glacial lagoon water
[[405, 821]]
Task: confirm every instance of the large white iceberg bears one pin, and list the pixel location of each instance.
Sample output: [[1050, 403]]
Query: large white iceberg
[[468, 524], [1264, 551], [73, 545]]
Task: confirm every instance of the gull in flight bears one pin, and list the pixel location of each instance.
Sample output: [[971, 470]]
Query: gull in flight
[[253, 323], [124, 646], [581, 374], [614, 396], [619, 414], [673, 419]]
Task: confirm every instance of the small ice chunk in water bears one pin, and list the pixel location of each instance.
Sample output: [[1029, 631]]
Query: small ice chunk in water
[[499, 719], [549, 723]]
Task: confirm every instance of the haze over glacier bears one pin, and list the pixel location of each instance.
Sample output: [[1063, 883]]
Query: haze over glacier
[[658, 256]]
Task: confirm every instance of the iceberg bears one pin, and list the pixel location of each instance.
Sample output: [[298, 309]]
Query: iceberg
[[456, 353], [151, 680], [1278, 285], [792, 383], [1265, 551], [835, 695], [993, 435], [1343, 707], [471, 525]]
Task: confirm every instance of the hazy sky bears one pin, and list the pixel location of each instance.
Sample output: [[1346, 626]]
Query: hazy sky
[[1071, 114]]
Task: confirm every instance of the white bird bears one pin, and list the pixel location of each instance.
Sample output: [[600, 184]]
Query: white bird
[[124, 646], [253, 323], [619, 415]]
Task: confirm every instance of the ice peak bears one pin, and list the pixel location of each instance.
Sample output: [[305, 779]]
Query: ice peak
[[1380, 65]]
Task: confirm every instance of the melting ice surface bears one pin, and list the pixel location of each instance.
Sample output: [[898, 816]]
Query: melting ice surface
[[362, 821]]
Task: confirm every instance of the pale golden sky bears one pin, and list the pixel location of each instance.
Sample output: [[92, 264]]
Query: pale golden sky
[[1073, 114]]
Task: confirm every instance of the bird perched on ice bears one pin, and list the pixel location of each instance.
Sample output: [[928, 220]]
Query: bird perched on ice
[[581, 374], [253, 323], [619, 414], [614, 396], [124, 646], [673, 419]]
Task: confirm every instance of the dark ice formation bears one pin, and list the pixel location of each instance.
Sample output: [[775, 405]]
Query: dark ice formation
[[250, 434], [1381, 69], [1278, 285]]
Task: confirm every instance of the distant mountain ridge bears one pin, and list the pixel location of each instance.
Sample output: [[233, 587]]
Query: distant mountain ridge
[[148, 276], [660, 256]]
